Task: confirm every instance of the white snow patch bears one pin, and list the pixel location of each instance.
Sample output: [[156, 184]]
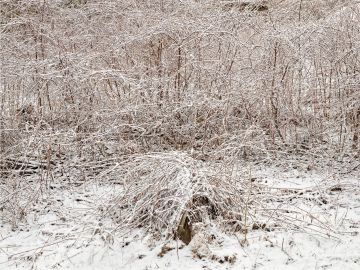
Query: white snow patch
[[68, 232]]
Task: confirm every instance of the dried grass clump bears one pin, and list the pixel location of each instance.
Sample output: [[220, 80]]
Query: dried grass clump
[[159, 189], [16, 200]]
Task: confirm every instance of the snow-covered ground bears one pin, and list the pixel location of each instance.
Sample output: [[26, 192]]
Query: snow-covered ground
[[317, 227]]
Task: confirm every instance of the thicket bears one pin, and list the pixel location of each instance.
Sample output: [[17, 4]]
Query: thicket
[[89, 84]]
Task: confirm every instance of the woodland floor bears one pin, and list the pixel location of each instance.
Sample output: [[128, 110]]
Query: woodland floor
[[65, 230]]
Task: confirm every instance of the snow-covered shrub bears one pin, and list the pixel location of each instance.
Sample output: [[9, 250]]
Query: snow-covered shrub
[[160, 188]]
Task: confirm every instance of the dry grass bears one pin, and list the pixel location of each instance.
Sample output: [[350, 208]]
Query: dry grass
[[160, 188]]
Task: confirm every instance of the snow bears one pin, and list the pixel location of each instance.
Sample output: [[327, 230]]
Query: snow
[[65, 230]]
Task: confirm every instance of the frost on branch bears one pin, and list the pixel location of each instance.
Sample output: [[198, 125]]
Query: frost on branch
[[166, 192]]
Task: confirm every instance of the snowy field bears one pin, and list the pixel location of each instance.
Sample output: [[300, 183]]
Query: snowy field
[[317, 225]]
